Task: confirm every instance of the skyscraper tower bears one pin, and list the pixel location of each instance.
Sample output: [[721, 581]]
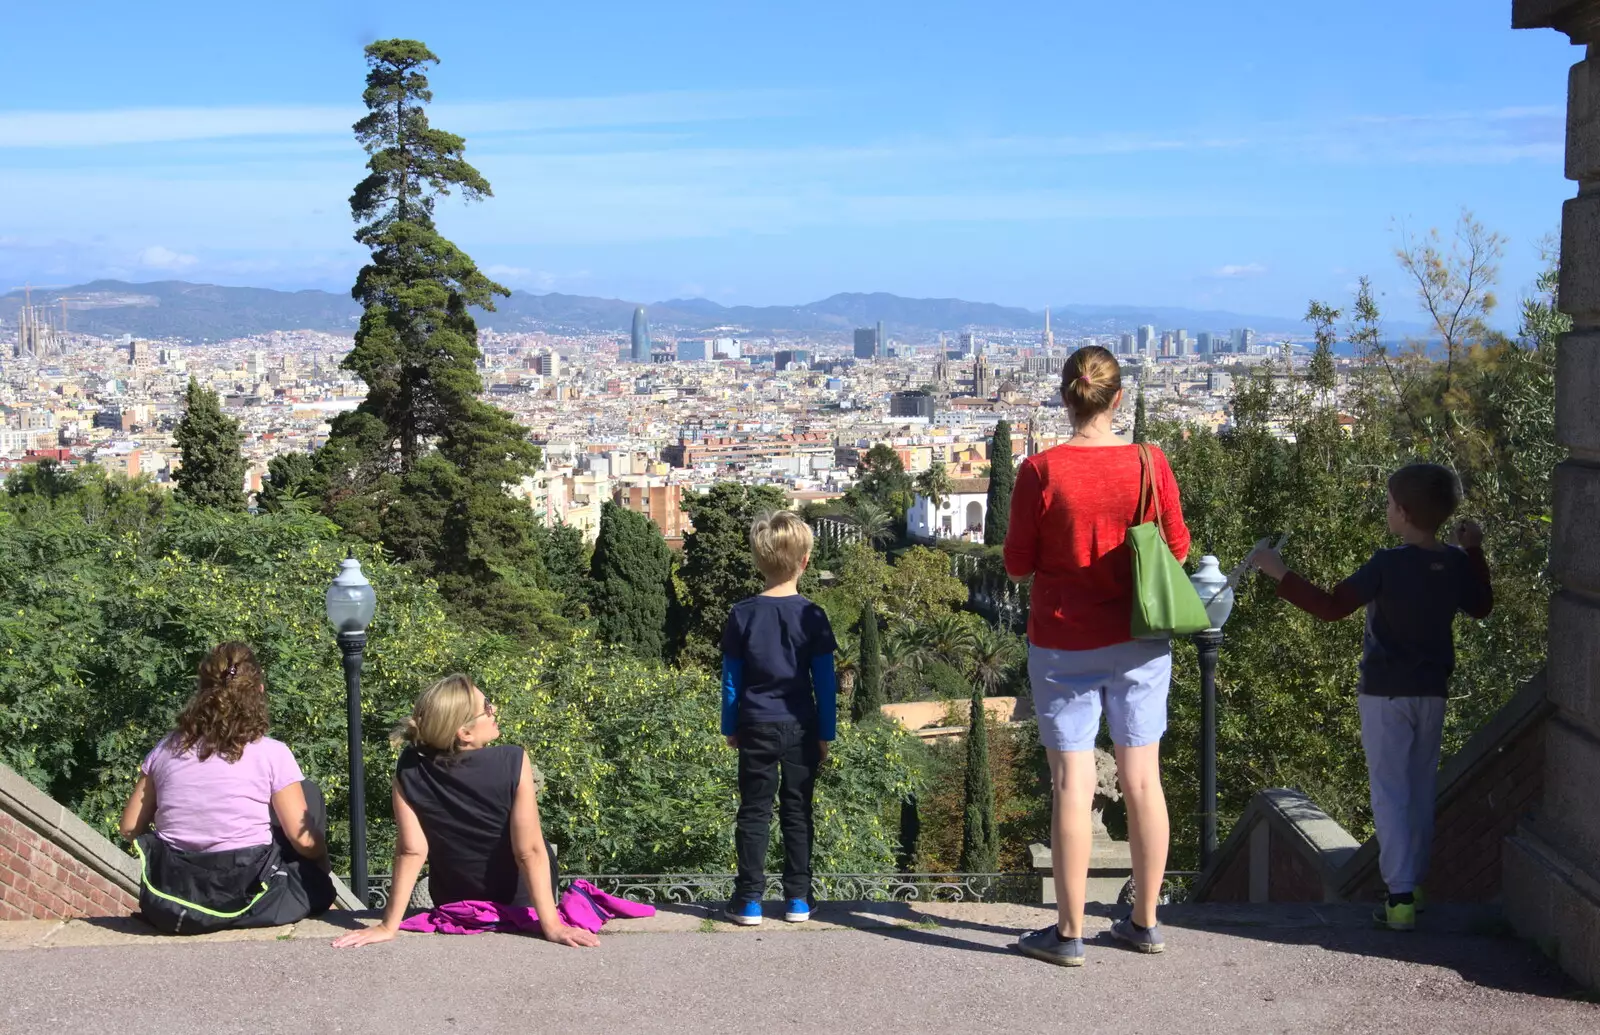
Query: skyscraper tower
[[980, 376], [1049, 340], [641, 337], [883, 343], [1147, 340]]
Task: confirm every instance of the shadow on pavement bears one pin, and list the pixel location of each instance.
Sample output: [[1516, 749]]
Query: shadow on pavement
[[1474, 941]]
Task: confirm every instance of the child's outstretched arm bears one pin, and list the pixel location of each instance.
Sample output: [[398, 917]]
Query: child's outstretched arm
[[1347, 597], [732, 679]]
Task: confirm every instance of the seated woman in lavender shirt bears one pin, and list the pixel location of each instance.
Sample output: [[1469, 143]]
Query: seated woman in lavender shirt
[[239, 836]]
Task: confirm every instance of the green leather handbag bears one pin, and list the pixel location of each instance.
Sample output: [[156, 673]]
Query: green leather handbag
[[1165, 603]]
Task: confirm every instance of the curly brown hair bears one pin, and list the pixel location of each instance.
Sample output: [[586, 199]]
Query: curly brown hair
[[229, 706]]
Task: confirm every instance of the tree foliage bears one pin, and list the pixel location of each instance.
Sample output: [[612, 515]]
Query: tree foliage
[[630, 575], [1287, 707], [422, 465], [980, 841], [212, 473], [1002, 477], [1141, 423], [111, 593], [869, 696], [718, 569]]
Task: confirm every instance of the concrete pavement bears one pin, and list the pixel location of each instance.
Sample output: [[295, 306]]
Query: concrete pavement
[[864, 968]]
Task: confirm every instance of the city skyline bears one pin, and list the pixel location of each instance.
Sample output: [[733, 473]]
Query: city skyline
[[803, 173]]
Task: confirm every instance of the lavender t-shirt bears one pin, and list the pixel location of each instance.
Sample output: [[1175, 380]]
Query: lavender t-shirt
[[217, 805]]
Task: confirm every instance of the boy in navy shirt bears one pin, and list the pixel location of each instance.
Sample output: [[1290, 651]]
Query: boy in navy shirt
[[779, 707], [1412, 593]]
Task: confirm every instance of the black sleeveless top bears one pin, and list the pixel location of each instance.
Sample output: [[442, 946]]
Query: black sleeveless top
[[463, 802]]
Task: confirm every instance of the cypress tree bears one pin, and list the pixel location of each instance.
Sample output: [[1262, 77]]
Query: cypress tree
[[980, 841], [869, 673], [1138, 417], [213, 469], [1002, 476], [629, 576]]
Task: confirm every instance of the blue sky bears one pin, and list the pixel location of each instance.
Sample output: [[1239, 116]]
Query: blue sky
[[1245, 155]]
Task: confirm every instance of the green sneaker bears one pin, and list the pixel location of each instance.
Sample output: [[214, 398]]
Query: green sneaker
[[1397, 916], [1417, 899]]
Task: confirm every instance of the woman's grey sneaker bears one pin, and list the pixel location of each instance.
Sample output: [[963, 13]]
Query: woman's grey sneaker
[[1048, 945], [1139, 939]]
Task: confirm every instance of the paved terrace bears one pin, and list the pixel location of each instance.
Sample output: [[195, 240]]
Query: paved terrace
[[862, 968]]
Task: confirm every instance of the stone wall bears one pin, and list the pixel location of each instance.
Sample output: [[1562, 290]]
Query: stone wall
[[1285, 849], [1552, 862], [53, 866], [1282, 849], [1485, 790]]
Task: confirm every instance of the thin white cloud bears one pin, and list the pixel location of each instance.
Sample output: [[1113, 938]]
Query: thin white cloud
[[1248, 269], [71, 129], [157, 257]]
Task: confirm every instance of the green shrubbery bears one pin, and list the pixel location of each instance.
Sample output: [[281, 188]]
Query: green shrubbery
[[110, 593]]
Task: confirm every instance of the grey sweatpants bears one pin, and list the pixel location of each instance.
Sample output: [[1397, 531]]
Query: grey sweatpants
[[1401, 737]]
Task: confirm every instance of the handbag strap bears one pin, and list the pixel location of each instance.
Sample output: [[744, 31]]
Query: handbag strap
[[1147, 489]]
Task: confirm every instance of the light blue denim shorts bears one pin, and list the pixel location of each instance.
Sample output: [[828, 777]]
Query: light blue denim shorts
[[1128, 681]]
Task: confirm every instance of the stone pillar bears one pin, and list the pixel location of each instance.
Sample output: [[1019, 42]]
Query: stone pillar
[[1552, 862]]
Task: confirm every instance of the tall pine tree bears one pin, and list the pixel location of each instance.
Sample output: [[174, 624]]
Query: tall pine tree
[[1139, 417], [869, 672], [213, 469], [629, 579], [422, 464], [1002, 477], [980, 839]]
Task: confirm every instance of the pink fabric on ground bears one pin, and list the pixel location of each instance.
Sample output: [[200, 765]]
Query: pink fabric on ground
[[583, 905]]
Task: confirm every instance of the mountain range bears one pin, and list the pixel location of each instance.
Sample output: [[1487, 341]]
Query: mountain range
[[200, 312]]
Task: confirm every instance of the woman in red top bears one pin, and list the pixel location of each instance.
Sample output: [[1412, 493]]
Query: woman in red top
[[1070, 513]]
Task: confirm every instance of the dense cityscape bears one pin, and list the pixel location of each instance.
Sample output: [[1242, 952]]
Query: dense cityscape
[[630, 416]]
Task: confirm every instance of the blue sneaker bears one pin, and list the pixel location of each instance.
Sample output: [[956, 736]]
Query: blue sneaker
[[1139, 939], [798, 911], [1047, 944], [746, 913]]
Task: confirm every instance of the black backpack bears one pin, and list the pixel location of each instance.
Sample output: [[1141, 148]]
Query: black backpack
[[196, 892]]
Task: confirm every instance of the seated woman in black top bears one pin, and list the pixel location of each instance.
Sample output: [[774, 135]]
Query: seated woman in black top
[[469, 810]]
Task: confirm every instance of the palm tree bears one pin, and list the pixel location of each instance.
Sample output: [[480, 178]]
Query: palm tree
[[875, 523], [903, 651], [935, 484], [993, 657], [953, 636]]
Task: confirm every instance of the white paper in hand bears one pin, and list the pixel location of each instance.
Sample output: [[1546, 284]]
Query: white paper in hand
[[1245, 566]]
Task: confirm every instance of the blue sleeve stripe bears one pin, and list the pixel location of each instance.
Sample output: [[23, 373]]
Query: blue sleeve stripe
[[825, 684], [732, 678]]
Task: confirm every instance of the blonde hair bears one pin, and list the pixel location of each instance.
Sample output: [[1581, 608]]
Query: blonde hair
[[1090, 381], [781, 542], [439, 713]]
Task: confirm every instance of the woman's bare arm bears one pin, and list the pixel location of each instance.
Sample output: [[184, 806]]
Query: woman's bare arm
[[527, 843], [140, 810]]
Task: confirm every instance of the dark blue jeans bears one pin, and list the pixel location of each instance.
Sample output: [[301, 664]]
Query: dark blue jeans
[[775, 758]]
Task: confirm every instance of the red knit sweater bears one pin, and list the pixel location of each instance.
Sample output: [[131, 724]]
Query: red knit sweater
[[1070, 513]]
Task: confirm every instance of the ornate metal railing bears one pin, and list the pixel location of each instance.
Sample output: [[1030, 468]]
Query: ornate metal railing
[[687, 888]]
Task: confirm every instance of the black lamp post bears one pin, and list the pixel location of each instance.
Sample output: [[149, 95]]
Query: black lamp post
[[351, 603], [1217, 596]]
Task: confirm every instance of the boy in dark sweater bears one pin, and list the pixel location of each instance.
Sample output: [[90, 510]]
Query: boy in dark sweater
[[1412, 593], [779, 710]]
